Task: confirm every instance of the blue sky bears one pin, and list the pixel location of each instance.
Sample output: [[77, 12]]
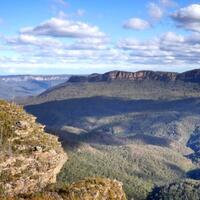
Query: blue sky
[[86, 36]]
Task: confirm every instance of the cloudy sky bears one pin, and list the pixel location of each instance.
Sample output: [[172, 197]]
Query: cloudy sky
[[85, 36]]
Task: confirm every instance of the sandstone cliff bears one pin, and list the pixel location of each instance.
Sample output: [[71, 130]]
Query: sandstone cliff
[[189, 76], [29, 158], [87, 189], [122, 75]]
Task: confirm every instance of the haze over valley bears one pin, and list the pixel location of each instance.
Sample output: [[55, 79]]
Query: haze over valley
[[100, 100]]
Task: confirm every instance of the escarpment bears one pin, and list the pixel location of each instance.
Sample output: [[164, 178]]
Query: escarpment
[[96, 188], [188, 76], [30, 158], [122, 75]]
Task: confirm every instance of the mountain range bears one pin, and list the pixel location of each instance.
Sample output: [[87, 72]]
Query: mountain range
[[188, 76], [14, 86], [140, 128], [133, 85], [31, 159]]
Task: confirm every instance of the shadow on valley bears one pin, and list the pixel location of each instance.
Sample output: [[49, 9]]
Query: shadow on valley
[[82, 113], [194, 174], [134, 141], [76, 109]]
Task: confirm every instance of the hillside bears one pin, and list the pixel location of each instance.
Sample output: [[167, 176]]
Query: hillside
[[87, 189], [144, 133], [122, 75], [176, 119], [31, 159], [130, 85], [186, 189], [25, 151], [27, 85], [139, 167], [188, 76]]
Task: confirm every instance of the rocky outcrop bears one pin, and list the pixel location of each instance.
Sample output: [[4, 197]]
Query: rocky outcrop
[[88, 189], [189, 76], [122, 75], [29, 158], [140, 75]]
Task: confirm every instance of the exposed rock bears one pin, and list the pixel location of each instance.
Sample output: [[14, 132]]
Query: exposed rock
[[87, 189], [189, 76], [122, 75], [37, 148], [30, 158], [94, 189]]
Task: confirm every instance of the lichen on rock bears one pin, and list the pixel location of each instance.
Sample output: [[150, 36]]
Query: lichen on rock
[[88, 189], [29, 158]]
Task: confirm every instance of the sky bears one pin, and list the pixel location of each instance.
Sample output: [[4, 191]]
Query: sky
[[87, 36]]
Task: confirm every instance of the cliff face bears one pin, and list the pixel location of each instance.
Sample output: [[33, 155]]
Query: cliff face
[[87, 189], [30, 158], [140, 75], [121, 75], [189, 76]]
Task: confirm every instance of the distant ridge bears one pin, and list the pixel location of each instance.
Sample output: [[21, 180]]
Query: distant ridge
[[19, 78], [27, 85], [189, 76]]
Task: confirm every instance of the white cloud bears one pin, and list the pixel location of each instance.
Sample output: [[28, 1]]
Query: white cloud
[[57, 27], [62, 15], [188, 17], [33, 40], [155, 11], [90, 44], [47, 45], [194, 38], [158, 9], [173, 38], [136, 24], [168, 3], [169, 48], [80, 12]]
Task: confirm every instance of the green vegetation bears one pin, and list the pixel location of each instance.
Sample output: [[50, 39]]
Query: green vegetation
[[138, 167], [182, 190], [175, 119], [194, 144], [9, 116], [146, 89], [24, 152], [17, 128], [134, 131], [88, 189]]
